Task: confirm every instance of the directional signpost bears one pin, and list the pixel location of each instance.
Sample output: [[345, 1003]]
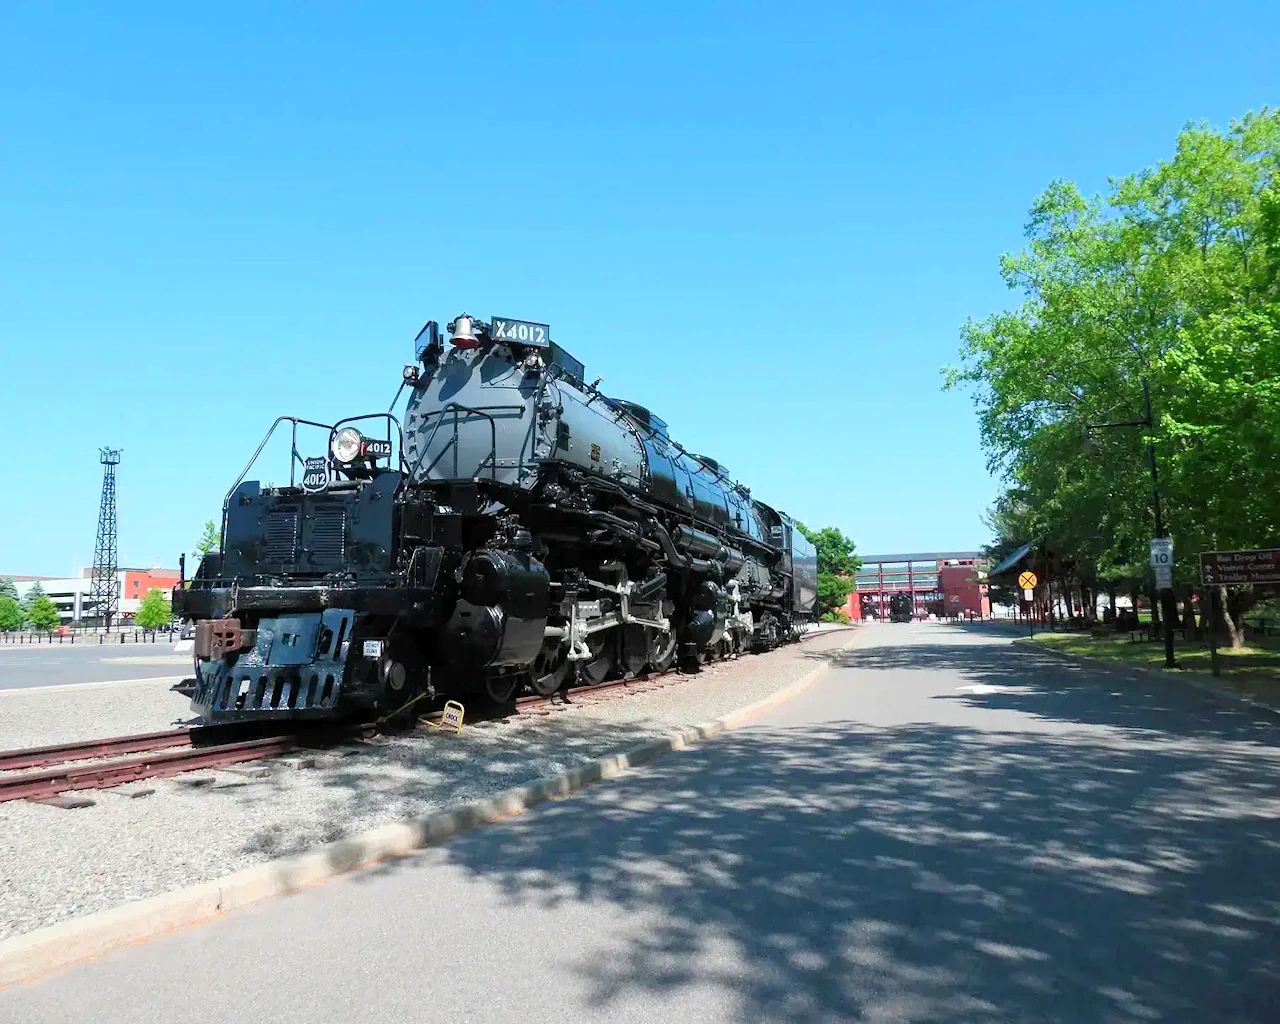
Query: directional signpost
[[1234, 569], [1237, 568]]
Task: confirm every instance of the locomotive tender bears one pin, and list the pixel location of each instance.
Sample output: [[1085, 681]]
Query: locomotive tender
[[521, 529]]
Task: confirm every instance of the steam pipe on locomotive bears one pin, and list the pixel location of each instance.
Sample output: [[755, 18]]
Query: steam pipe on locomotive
[[521, 529]]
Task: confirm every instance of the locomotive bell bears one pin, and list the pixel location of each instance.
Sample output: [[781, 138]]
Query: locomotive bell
[[463, 334]]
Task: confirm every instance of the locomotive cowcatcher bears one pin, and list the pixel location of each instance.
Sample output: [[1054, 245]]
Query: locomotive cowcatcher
[[518, 530]]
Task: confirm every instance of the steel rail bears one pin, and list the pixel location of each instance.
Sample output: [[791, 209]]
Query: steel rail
[[60, 753], [44, 784]]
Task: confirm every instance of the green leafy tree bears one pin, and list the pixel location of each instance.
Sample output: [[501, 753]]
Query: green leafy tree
[[7, 588], [837, 565], [1172, 280], [10, 614], [34, 593], [210, 540], [43, 614], [154, 612]]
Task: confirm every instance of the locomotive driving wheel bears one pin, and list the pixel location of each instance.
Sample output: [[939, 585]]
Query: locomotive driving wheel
[[550, 668], [635, 649], [500, 689], [401, 673], [662, 649], [595, 670]]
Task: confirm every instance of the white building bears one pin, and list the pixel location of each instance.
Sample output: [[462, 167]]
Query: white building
[[74, 594]]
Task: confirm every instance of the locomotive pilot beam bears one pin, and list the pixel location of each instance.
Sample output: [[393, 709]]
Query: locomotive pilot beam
[[515, 528]]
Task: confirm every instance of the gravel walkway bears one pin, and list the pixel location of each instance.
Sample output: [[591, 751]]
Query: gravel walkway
[[153, 836]]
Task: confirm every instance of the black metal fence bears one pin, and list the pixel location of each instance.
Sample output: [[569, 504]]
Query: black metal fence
[[72, 637]]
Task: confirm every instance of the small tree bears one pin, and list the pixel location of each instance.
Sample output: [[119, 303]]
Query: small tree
[[10, 614], [43, 613], [210, 540], [34, 594], [7, 589], [154, 612], [837, 565]]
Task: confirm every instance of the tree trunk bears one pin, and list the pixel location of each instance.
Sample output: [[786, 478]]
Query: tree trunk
[[1189, 613], [1233, 623], [1155, 607]]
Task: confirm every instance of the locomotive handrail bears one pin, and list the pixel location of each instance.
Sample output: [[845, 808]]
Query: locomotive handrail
[[455, 408], [293, 457], [295, 420], [449, 444]]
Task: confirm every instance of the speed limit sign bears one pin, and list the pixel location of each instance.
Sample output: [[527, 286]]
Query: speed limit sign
[[1161, 550]]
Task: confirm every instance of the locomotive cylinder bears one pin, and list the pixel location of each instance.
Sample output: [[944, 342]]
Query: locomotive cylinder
[[734, 560], [699, 543]]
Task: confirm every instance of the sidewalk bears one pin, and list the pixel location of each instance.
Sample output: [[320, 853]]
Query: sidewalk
[[1258, 691]]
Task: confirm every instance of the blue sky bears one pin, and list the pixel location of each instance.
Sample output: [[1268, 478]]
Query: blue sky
[[766, 222]]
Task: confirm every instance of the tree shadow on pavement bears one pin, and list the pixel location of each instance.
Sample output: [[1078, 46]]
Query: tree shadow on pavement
[[409, 775], [1119, 868], [1050, 687]]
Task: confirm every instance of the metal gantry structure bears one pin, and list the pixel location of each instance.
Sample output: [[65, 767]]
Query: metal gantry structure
[[105, 594]]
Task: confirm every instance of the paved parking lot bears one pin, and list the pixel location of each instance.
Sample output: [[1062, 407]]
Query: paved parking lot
[[86, 661]]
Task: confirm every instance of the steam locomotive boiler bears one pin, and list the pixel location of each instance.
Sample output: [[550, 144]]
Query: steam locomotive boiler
[[519, 529]]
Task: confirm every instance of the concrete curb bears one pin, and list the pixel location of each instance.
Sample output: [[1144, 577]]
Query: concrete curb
[[25, 957], [1194, 679]]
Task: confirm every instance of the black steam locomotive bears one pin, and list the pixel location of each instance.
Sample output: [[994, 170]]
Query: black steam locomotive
[[521, 529], [901, 608]]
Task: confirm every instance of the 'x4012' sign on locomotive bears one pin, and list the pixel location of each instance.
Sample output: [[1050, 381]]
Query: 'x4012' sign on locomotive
[[522, 529]]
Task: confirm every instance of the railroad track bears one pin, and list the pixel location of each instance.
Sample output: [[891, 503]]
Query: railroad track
[[103, 763], [38, 757], [79, 766]]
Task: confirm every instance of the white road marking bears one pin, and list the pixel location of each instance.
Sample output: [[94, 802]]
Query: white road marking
[[984, 688], [9, 691], [152, 659]]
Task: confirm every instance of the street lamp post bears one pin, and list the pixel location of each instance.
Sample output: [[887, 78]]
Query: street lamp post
[[1166, 595]]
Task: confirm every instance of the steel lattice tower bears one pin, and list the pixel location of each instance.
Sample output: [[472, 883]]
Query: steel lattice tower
[[106, 592]]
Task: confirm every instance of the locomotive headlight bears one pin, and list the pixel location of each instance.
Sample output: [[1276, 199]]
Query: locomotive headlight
[[346, 444]]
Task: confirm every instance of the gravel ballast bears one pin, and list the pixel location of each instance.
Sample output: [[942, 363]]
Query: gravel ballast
[[156, 835], [41, 716]]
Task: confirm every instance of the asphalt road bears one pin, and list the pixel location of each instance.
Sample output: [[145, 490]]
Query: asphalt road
[[64, 664], [946, 828]]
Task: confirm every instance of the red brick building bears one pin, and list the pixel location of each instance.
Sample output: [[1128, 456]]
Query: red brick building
[[137, 582], [943, 583]]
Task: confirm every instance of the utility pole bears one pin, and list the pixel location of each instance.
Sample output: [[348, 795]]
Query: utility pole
[[1165, 595]]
